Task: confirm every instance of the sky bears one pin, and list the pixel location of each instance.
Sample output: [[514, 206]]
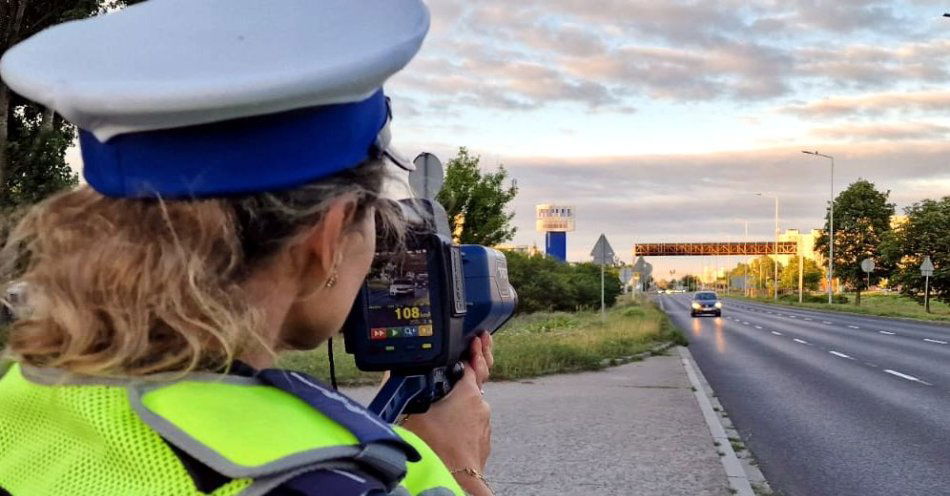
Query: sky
[[660, 121]]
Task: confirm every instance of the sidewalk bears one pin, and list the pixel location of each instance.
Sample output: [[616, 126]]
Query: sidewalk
[[631, 430]]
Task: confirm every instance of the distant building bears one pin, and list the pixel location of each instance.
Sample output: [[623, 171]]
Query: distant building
[[525, 249], [806, 246]]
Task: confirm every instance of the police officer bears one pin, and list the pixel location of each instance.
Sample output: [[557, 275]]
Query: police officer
[[235, 153]]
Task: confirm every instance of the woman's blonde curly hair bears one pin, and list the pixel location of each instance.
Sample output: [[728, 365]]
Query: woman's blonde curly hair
[[133, 287]]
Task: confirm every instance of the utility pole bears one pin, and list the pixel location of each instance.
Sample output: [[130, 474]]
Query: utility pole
[[831, 225]]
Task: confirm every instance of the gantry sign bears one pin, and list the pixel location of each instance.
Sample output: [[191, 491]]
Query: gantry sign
[[694, 249]]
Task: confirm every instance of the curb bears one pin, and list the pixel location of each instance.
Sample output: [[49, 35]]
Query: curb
[[739, 480], [656, 350]]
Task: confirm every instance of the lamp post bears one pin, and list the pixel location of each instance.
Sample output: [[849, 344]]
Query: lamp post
[[831, 224], [777, 232]]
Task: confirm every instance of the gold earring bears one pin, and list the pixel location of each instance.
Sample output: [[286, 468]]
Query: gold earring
[[331, 281]]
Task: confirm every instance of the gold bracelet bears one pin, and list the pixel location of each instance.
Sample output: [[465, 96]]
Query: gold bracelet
[[471, 472]]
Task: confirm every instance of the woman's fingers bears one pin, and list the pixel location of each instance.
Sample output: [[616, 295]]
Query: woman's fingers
[[478, 362], [488, 344]]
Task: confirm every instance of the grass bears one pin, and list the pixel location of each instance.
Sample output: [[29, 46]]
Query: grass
[[876, 304], [538, 344]]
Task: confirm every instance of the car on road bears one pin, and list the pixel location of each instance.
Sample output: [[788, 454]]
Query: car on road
[[402, 287], [705, 303]]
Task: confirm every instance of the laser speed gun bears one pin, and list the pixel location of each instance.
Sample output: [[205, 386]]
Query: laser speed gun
[[419, 309]]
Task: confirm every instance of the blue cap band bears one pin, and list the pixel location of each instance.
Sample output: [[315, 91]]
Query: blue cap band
[[242, 156]]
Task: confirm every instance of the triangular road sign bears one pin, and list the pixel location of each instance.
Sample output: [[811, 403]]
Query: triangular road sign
[[603, 254]]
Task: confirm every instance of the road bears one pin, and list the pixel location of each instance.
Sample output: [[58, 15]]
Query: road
[[830, 403]]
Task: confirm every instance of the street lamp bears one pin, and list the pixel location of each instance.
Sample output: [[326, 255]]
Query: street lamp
[[831, 224], [777, 232]]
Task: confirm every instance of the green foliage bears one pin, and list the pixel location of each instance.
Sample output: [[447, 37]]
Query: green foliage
[[862, 218], [36, 153], [545, 284], [812, 275], [761, 272], [478, 200], [689, 282], [926, 233]]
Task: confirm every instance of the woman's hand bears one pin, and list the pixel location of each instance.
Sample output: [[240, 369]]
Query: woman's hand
[[458, 427]]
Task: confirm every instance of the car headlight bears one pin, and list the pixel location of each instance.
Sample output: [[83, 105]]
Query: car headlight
[[696, 305], [718, 304]]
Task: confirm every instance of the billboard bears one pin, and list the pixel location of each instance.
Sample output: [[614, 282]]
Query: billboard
[[554, 218]]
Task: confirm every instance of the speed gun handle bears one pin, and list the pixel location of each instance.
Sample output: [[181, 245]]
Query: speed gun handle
[[414, 393]]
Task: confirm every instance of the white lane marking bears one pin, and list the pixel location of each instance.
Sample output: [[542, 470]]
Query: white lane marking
[[792, 317], [776, 333], [800, 341], [825, 322], [745, 323], [907, 377], [886, 332], [758, 327], [839, 354], [935, 341], [854, 327], [807, 318]]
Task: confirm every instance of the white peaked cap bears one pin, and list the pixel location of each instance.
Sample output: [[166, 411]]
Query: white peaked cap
[[174, 63], [203, 98]]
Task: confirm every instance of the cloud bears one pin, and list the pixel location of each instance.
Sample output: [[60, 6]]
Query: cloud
[[610, 55], [883, 132], [874, 104]]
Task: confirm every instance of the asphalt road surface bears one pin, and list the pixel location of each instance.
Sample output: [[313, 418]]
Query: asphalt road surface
[[830, 403]]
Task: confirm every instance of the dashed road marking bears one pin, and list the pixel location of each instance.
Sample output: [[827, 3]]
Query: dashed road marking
[[808, 319], [854, 327], [800, 341], [776, 333], [792, 317], [826, 322], [758, 327], [839, 354], [889, 333], [906, 377], [935, 341], [745, 323]]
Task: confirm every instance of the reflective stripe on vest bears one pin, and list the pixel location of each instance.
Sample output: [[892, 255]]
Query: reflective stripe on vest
[[104, 436]]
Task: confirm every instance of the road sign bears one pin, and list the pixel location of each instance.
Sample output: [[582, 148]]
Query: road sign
[[867, 265], [927, 268], [626, 274], [427, 180], [603, 254]]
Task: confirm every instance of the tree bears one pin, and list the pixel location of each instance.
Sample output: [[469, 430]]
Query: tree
[[812, 275], [544, 283], [862, 220], [33, 139], [690, 282], [926, 233], [477, 202]]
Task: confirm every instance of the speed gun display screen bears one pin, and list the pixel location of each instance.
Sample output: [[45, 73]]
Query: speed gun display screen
[[399, 305]]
